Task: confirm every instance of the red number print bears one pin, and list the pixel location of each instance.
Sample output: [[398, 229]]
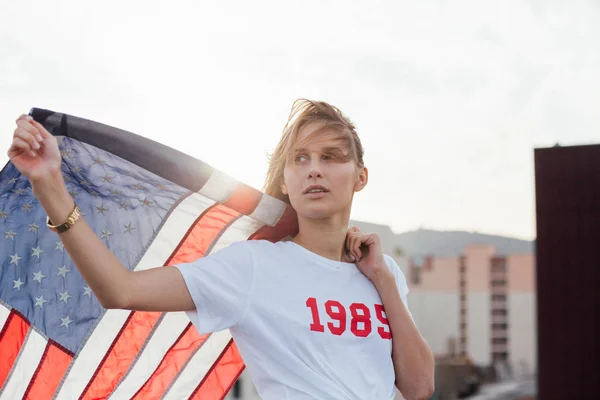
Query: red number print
[[360, 322], [339, 316], [316, 324], [380, 312], [360, 315]]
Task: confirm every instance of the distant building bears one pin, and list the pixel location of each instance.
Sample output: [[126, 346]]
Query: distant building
[[480, 305]]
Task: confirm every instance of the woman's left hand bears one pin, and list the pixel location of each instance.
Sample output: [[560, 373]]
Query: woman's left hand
[[365, 250]]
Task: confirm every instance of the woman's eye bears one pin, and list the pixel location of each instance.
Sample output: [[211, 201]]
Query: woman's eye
[[301, 158]]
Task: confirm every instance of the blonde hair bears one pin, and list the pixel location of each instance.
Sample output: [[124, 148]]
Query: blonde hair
[[302, 113]]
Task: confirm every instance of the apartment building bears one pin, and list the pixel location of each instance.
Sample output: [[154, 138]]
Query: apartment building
[[478, 304]]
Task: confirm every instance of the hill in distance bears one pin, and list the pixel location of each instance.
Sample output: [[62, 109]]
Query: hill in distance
[[425, 242]]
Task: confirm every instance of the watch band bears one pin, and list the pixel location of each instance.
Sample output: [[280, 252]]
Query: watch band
[[65, 226]]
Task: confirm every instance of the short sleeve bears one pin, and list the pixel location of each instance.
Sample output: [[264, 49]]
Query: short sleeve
[[220, 285], [400, 281]]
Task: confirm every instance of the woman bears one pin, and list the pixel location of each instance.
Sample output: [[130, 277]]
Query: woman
[[307, 314]]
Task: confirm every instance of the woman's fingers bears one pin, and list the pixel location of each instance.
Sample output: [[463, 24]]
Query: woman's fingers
[[43, 132], [27, 132], [19, 146], [353, 243]]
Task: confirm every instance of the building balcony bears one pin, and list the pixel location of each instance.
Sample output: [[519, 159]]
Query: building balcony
[[498, 276], [498, 304], [500, 348], [499, 319], [498, 289], [499, 333]]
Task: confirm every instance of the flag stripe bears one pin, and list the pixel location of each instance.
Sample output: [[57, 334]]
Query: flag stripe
[[201, 362], [244, 199], [164, 244], [12, 338], [147, 368], [222, 376], [49, 373], [175, 359], [25, 366], [122, 352], [164, 338], [174, 362], [140, 325], [287, 225], [4, 314]]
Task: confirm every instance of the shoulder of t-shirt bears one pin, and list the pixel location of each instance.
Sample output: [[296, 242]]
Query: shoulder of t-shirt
[[395, 268], [391, 263]]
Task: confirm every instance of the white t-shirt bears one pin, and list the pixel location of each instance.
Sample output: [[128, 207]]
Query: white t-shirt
[[307, 327]]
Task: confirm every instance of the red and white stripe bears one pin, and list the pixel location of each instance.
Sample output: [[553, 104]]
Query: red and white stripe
[[140, 354], [167, 240]]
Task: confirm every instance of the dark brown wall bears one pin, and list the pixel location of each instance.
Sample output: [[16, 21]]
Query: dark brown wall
[[567, 181]]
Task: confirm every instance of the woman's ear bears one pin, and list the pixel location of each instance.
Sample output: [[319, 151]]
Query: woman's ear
[[362, 180], [284, 189]]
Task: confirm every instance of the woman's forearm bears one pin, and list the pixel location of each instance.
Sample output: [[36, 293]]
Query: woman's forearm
[[413, 360], [103, 272]]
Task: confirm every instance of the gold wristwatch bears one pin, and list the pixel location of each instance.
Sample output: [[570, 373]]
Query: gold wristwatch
[[65, 226]]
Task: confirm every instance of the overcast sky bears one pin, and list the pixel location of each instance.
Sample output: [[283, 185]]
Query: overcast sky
[[450, 98]]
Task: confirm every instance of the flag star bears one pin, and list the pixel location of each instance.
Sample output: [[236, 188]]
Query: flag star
[[124, 205], [12, 180], [146, 202], [84, 182], [161, 186], [33, 227], [73, 193], [137, 186], [87, 291], [27, 207], [66, 153], [94, 193], [100, 209], [99, 161], [15, 259], [66, 321], [38, 276], [19, 191], [18, 283], [39, 301], [10, 235], [3, 215], [63, 271], [36, 251], [129, 228], [59, 246], [106, 233], [67, 178], [76, 169], [64, 296], [116, 192], [107, 178]]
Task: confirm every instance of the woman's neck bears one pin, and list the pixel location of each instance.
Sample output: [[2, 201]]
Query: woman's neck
[[325, 237]]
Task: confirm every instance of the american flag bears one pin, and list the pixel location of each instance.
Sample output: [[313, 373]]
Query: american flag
[[152, 206]]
